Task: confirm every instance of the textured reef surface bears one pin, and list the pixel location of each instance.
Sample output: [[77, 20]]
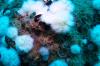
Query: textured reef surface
[[49, 32]]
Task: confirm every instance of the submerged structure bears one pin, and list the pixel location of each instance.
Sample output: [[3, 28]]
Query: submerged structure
[[49, 33]]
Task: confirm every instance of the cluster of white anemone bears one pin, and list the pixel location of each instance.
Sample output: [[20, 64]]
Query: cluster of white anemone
[[95, 34], [44, 52], [96, 4], [22, 42], [58, 15], [59, 62], [9, 57]]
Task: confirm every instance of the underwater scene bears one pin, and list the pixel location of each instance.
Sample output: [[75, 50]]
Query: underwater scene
[[49, 32]]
